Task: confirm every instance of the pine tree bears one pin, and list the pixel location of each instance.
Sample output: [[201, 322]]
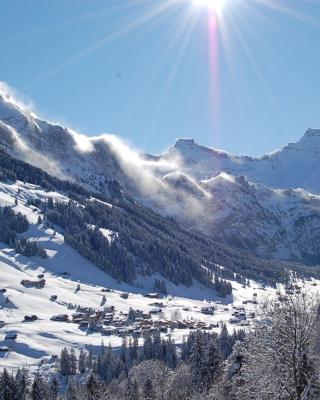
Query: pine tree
[[7, 391], [212, 363], [89, 359], [71, 393], [132, 391], [133, 350], [123, 350], [147, 347], [170, 354], [82, 362], [92, 388], [197, 361], [65, 362], [157, 346], [39, 389], [131, 315], [148, 391], [73, 362], [103, 301], [54, 389], [22, 384]]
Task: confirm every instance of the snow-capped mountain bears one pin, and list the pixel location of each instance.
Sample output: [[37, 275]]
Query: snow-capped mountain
[[269, 205], [276, 223], [295, 165]]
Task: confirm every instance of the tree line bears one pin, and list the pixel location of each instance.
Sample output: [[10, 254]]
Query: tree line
[[12, 224]]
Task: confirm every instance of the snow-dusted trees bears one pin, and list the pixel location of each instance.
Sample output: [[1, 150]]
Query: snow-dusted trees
[[7, 386], [39, 390], [160, 286], [82, 362], [222, 287], [205, 361], [281, 358], [23, 380], [10, 225]]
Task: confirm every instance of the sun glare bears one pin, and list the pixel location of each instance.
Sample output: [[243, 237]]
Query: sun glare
[[212, 5]]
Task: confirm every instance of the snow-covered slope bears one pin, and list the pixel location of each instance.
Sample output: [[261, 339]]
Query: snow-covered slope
[[64, 269], [278, 223], [296, 165], [204, 188]]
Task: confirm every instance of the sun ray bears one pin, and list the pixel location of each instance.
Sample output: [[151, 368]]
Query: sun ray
[[289, 11], [175, 36], [154, 13], [213, 52], [186, 31]]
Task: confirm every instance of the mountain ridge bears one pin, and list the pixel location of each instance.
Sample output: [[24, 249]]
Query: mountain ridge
[[219, 193]]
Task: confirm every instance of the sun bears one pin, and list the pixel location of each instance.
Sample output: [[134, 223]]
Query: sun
[[212, 5]]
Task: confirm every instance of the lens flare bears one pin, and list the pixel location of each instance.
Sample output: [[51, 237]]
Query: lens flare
[[212, 5]]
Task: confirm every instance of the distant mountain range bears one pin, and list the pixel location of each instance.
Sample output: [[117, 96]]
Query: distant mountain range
[[268, 205]]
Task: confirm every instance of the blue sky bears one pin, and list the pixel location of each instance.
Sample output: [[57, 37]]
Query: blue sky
[[143, 69]]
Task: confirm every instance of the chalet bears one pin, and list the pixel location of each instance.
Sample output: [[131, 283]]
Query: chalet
[[242, 315], [207, 310], [244, 323], [124, 295], [60, 318], [30, 318], [234, 320], [37, 284], [239, 308], [108, 309], [155, 311], [108, 331], [182, 325], [151, 295], [157, 304], [146, 322], [107, 320], [11, 336], [161, 322], [122, 332], [4, 349]]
